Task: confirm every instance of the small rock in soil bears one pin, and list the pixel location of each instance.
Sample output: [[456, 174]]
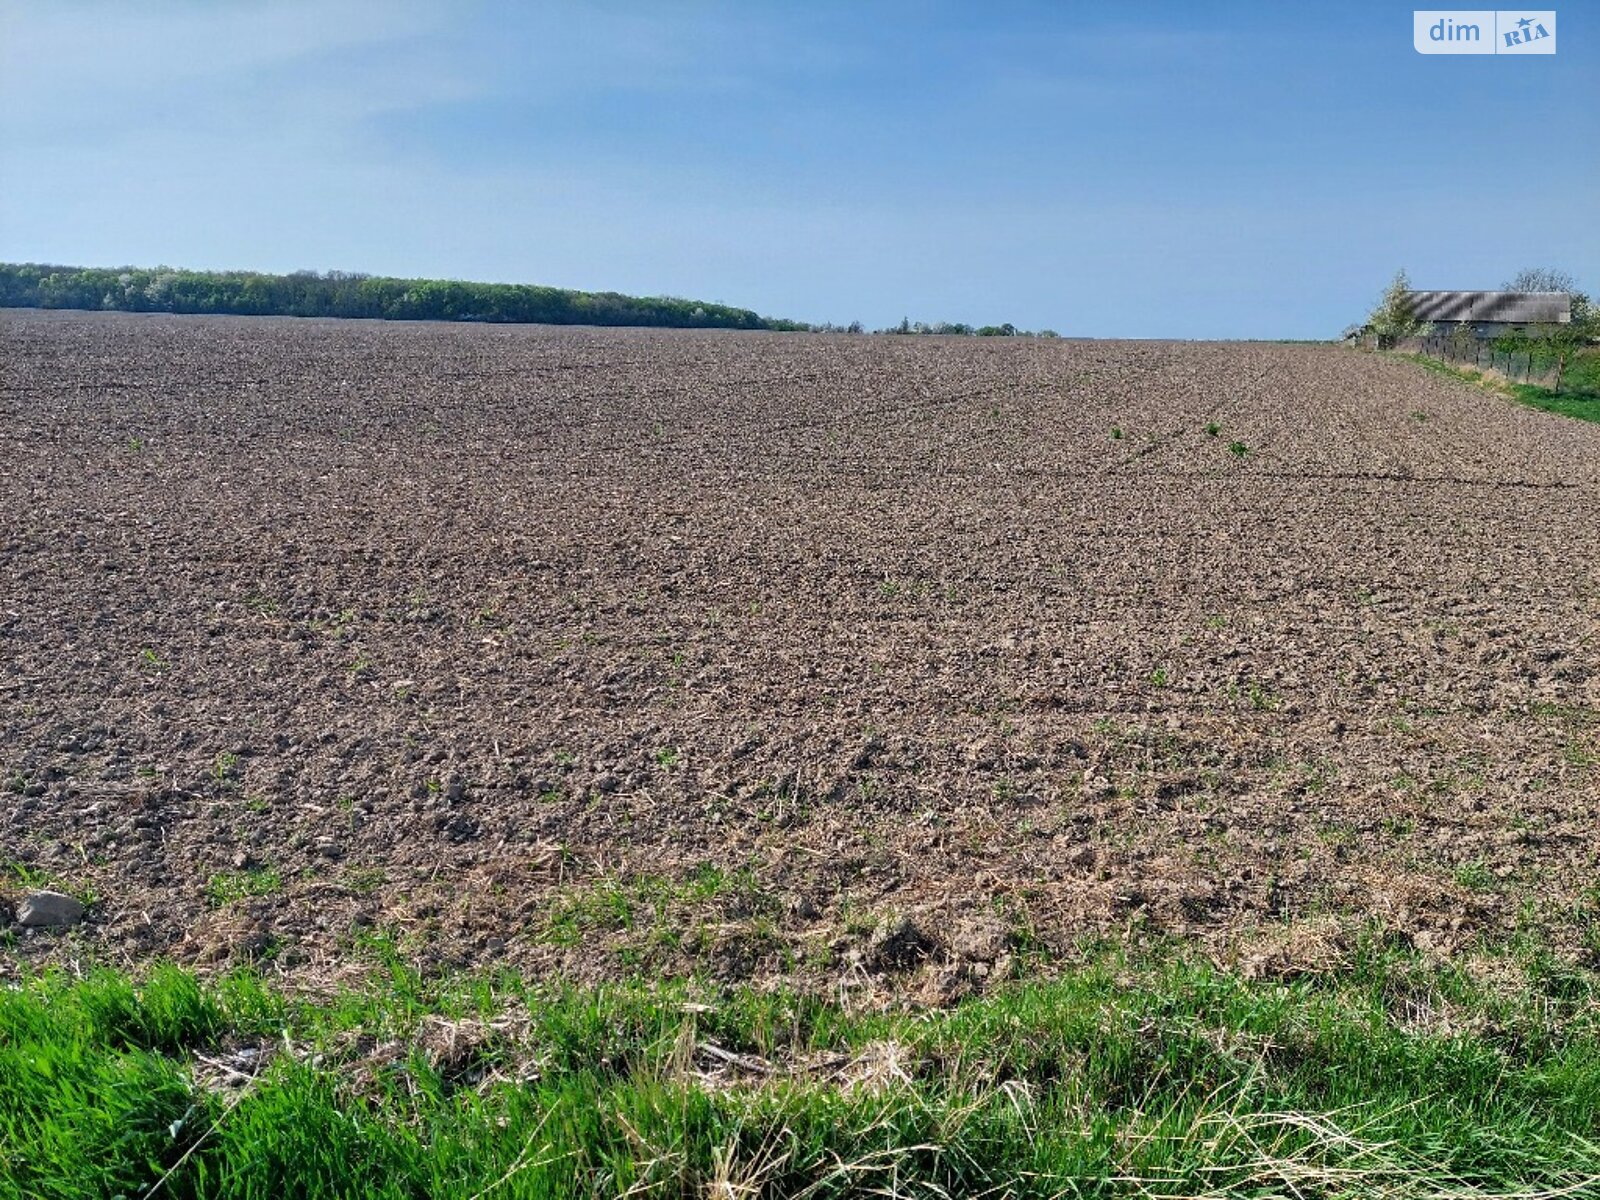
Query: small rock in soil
[[44, 909]]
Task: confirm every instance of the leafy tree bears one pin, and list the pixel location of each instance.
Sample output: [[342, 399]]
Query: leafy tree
[[1395, 317], [1512, 343], [1462, 342], [1563, 342]]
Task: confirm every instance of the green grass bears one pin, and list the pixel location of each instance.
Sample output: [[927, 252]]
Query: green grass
[[1475, 875], [1579, 396], [1568, 403], [227, 886], [1164, 1078], [653, 903]]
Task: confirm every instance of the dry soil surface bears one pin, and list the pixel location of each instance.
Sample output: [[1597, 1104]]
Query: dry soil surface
[[892, 663]]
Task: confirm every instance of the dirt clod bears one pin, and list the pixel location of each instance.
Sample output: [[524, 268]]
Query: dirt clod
[[898, 942]]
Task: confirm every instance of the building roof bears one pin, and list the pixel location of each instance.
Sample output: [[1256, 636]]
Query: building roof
[[1516, 308]]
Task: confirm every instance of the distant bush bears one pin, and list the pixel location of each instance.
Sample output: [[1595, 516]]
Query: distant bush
[[959, 329]]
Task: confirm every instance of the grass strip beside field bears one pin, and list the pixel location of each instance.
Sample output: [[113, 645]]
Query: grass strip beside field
[[1579, 397], [1170, 1078]]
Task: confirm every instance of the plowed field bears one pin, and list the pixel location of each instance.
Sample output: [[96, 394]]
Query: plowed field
[[893, 663]]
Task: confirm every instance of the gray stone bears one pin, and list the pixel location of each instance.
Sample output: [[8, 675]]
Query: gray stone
[[49, 908]]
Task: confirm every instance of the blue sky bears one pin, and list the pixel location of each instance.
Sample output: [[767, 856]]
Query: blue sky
[[1131, 169]]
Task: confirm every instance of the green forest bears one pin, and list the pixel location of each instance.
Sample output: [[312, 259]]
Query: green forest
[[343, 294]]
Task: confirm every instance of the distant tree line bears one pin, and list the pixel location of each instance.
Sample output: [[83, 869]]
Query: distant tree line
[[349, 294], [958, 329], [342, 294]]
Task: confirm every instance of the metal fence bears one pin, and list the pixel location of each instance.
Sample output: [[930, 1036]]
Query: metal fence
[[1529, 363]]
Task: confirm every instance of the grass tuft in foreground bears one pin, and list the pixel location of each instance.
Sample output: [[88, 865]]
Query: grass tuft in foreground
[[1164, 1079]]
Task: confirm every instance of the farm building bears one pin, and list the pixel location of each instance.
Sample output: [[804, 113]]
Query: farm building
[[1490, 314]]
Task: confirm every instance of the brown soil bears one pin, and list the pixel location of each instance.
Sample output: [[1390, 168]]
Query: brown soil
[[872, 661]]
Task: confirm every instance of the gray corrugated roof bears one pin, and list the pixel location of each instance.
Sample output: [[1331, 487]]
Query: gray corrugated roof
[[1536, 308]]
